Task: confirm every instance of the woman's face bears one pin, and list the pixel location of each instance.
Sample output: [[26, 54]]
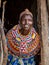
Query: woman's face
[[26, 22]]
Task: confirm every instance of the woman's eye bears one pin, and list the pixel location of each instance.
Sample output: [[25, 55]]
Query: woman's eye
[[30, 20], [23, 22]]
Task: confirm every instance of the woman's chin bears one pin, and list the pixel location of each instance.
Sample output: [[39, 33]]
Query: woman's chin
[[26, 28]]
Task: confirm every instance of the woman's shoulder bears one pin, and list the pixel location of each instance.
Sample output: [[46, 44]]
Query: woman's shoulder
[[12, 29], [35, 33]]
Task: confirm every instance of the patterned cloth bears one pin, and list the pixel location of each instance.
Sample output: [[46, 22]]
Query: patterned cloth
[[22, 49], [20, 61]]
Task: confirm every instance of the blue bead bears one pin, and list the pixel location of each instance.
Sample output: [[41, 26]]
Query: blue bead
[[10, 57], [15, 62], [25, 63]]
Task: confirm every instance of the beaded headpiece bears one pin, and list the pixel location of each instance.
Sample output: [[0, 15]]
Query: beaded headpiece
[[26, 12]]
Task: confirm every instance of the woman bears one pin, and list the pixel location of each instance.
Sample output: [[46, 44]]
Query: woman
[[23, 41]]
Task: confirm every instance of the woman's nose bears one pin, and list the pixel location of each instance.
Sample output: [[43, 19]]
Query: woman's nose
[[26, 21]]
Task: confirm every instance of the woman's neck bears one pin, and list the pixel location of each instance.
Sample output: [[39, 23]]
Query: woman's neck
[[24, 32]]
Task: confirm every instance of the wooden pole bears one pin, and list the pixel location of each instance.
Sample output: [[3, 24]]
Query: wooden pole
[[4, 51], [0, 3], [43, 20]]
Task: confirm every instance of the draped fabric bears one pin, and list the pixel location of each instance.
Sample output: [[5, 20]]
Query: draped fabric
[[20, 61]]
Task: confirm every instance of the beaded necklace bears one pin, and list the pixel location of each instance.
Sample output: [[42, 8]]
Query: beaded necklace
[[20, 45]]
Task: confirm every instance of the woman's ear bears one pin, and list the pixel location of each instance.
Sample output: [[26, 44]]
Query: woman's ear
[[19, 24]]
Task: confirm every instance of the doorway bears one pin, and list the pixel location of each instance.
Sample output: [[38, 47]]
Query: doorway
[[13, 9]]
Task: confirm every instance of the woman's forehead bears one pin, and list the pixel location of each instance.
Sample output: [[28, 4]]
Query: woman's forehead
[[26, 16]]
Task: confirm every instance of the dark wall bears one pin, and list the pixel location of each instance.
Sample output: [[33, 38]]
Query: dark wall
[[15, 7]]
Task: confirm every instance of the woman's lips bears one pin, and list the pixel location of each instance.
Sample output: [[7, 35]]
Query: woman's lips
[[26, 26]]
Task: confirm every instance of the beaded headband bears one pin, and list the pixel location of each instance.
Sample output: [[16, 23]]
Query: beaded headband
[[26, 12]]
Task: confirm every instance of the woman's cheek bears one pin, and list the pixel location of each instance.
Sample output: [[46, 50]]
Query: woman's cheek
[[30, 23]]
